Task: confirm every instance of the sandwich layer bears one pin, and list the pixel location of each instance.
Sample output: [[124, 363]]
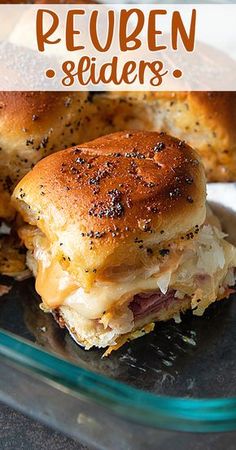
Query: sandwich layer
[[118, 237], [195, 271]]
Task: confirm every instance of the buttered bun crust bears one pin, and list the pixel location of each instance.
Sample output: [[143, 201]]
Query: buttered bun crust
[[33, 125], [112, 199], [205, 120]]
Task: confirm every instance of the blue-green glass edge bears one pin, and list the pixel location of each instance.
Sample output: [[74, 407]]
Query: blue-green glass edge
[[173, 413]]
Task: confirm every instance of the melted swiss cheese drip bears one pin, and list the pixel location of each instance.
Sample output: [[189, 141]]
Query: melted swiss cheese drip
[[57, 287], [53, 284]]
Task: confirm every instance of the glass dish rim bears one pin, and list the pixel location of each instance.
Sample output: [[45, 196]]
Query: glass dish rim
[[129, 403]]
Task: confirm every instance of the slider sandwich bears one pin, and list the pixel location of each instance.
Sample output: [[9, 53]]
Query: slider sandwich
[[119, 236]]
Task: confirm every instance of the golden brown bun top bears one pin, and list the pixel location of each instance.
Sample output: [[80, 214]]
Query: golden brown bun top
[[218, 109], [33, 125], [30, 110], [109, 200], [205, 120]]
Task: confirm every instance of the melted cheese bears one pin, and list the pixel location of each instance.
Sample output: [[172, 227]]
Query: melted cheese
[[209, 254], [53, 284], [56, 287]]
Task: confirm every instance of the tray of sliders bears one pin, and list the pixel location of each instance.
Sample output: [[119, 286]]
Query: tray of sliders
[[117, 260]]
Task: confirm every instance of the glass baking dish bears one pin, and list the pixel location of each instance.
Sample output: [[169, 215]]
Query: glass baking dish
[[174, 388]]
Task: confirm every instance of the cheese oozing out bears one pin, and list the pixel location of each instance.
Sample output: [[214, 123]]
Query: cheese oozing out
[[201, 268]]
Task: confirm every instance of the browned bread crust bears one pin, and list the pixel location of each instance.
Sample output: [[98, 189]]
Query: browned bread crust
[[108, 200], [206, 120], [33, 125]]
